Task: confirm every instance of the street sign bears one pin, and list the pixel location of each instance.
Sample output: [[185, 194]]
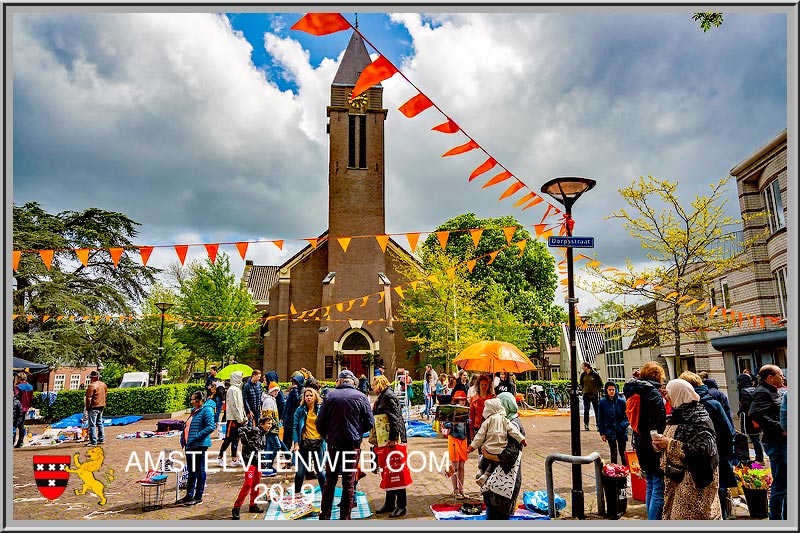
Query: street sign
[[570, 242]]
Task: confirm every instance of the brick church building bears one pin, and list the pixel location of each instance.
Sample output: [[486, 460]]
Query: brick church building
[[351, 335]]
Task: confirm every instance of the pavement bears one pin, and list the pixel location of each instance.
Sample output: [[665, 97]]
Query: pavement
[[545, 435]]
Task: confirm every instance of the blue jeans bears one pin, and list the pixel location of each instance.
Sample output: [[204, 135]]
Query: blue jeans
[[654, 498], [777, 491], [96, 431], [196, 465], [309, 457], [428, 405], [273, 446]]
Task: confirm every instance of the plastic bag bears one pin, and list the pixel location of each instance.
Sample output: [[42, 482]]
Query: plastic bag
[[537, 501]]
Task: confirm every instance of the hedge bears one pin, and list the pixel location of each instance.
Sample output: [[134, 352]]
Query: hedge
[[121, 402]]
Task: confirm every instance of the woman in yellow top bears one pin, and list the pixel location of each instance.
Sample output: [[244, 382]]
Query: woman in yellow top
[[308, 442]]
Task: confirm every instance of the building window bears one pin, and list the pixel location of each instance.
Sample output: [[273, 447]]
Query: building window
[[87, 380], [713, 296], [58, 382], [357, 142], [725, 293], [615, 361], [779, 278], [74, 381], [328, 367], [774, 205]]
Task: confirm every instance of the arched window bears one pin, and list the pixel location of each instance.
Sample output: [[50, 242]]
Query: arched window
[[355, 341]]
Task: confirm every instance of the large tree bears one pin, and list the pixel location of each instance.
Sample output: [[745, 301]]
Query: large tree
[[218, 313], [69, 288], [687, 243]]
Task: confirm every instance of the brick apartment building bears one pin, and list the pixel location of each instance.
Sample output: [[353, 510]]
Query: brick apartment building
[[352, 336]]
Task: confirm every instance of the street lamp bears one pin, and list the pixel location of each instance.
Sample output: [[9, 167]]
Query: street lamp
[[567, 190], [162, 306]]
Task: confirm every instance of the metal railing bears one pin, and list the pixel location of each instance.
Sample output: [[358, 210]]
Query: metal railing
[[593, 457]]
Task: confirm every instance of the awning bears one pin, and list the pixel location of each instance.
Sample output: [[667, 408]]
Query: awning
[[29, 366], [762, 339]]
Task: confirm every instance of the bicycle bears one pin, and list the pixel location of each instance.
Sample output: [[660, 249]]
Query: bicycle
[[535, 396], [552, 399]]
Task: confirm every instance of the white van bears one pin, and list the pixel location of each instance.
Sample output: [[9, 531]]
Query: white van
[[134, 380]]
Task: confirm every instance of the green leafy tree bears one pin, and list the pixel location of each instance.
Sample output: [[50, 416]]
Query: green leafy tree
[[688, 246], [527, 282], [222, 313], [69, 288], [708, 19]]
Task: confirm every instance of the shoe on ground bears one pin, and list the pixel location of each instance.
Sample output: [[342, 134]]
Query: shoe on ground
[[586, 427], [193, 501], [461, 496], [384, 510], [184, 500], [18, 446], [235, 463], [89, 444], [101, 442], [235, 513], [400, 511], [255, 509]]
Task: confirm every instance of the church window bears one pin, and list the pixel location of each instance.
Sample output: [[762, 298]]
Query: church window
[[357, 142]]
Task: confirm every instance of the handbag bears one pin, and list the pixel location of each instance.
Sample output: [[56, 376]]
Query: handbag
[[311, 444], [674, 472]]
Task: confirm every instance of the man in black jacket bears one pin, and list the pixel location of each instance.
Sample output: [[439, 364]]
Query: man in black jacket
[[343, 418], [765, 410], [591, 385], [746, 391]]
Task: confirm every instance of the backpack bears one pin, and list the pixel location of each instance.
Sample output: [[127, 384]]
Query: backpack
[[632, 411]]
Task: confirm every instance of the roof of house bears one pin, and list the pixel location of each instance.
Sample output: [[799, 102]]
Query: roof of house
[[355, 59], [590, 342], [260, 279]]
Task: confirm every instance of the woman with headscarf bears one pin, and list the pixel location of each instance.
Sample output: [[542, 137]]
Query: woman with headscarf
[[485, 392], [689, 458], [501, 490], [387, 404]]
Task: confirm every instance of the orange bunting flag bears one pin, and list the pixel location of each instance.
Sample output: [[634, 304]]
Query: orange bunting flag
[[497, 179], [451, 272], [547, 234], [380, 297], [321, 23], [145, 252], [364, 301], [443, 236], [116, 254], [383, 241], [340, 307], [593, 264], [415, 106], [279, 244], [181, 250], [292, 309], [211, 249], [377, 71], [414, 284], [47, 257], [15, 257], [640, 282], [466, 147], [512, 190], [344, 242], [691, 302], [524, 199], [671, 295], [45, 318], [486, 166], [712, 311], [509, 232], [492, 255], [539, 228], [242, 247], [350, 305], [702, 305], [83, 255], [433, 278], [412, 240], [521, 245], [399, 291], [447, 127], [682, 298], [476, 235], [471, 264], [313, 243], [547, 212], [536, 200]]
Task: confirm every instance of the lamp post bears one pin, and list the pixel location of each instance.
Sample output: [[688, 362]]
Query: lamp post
[[162, 306], [567, 190]]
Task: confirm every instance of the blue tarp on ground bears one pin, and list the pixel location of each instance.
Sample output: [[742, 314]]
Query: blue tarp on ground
[[418, 428], [75, 420]]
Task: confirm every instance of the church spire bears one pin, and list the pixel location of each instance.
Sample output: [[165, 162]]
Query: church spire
[[355, 59]]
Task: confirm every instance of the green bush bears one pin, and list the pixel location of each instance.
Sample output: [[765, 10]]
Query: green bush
[[121, 402]]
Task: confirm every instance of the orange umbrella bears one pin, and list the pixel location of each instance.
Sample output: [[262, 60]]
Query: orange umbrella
[[493, 356]]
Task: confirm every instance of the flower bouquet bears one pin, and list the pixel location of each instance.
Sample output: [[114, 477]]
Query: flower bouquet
[[615, 470], [755, 477]]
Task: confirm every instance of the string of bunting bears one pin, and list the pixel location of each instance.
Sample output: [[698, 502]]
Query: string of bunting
[[382, 69]]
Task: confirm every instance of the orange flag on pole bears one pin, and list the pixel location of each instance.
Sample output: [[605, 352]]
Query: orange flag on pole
[[212, 252], [321, 23], [242, 247], [181, 250], [487, 165], [466, 147], [447, 127], [377, 71], [116, 253], [415, 106]]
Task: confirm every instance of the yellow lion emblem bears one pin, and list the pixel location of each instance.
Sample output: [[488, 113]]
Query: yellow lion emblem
[[86, 470]]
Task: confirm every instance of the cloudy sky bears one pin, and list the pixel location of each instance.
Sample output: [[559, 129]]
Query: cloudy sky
[[208, 127]]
